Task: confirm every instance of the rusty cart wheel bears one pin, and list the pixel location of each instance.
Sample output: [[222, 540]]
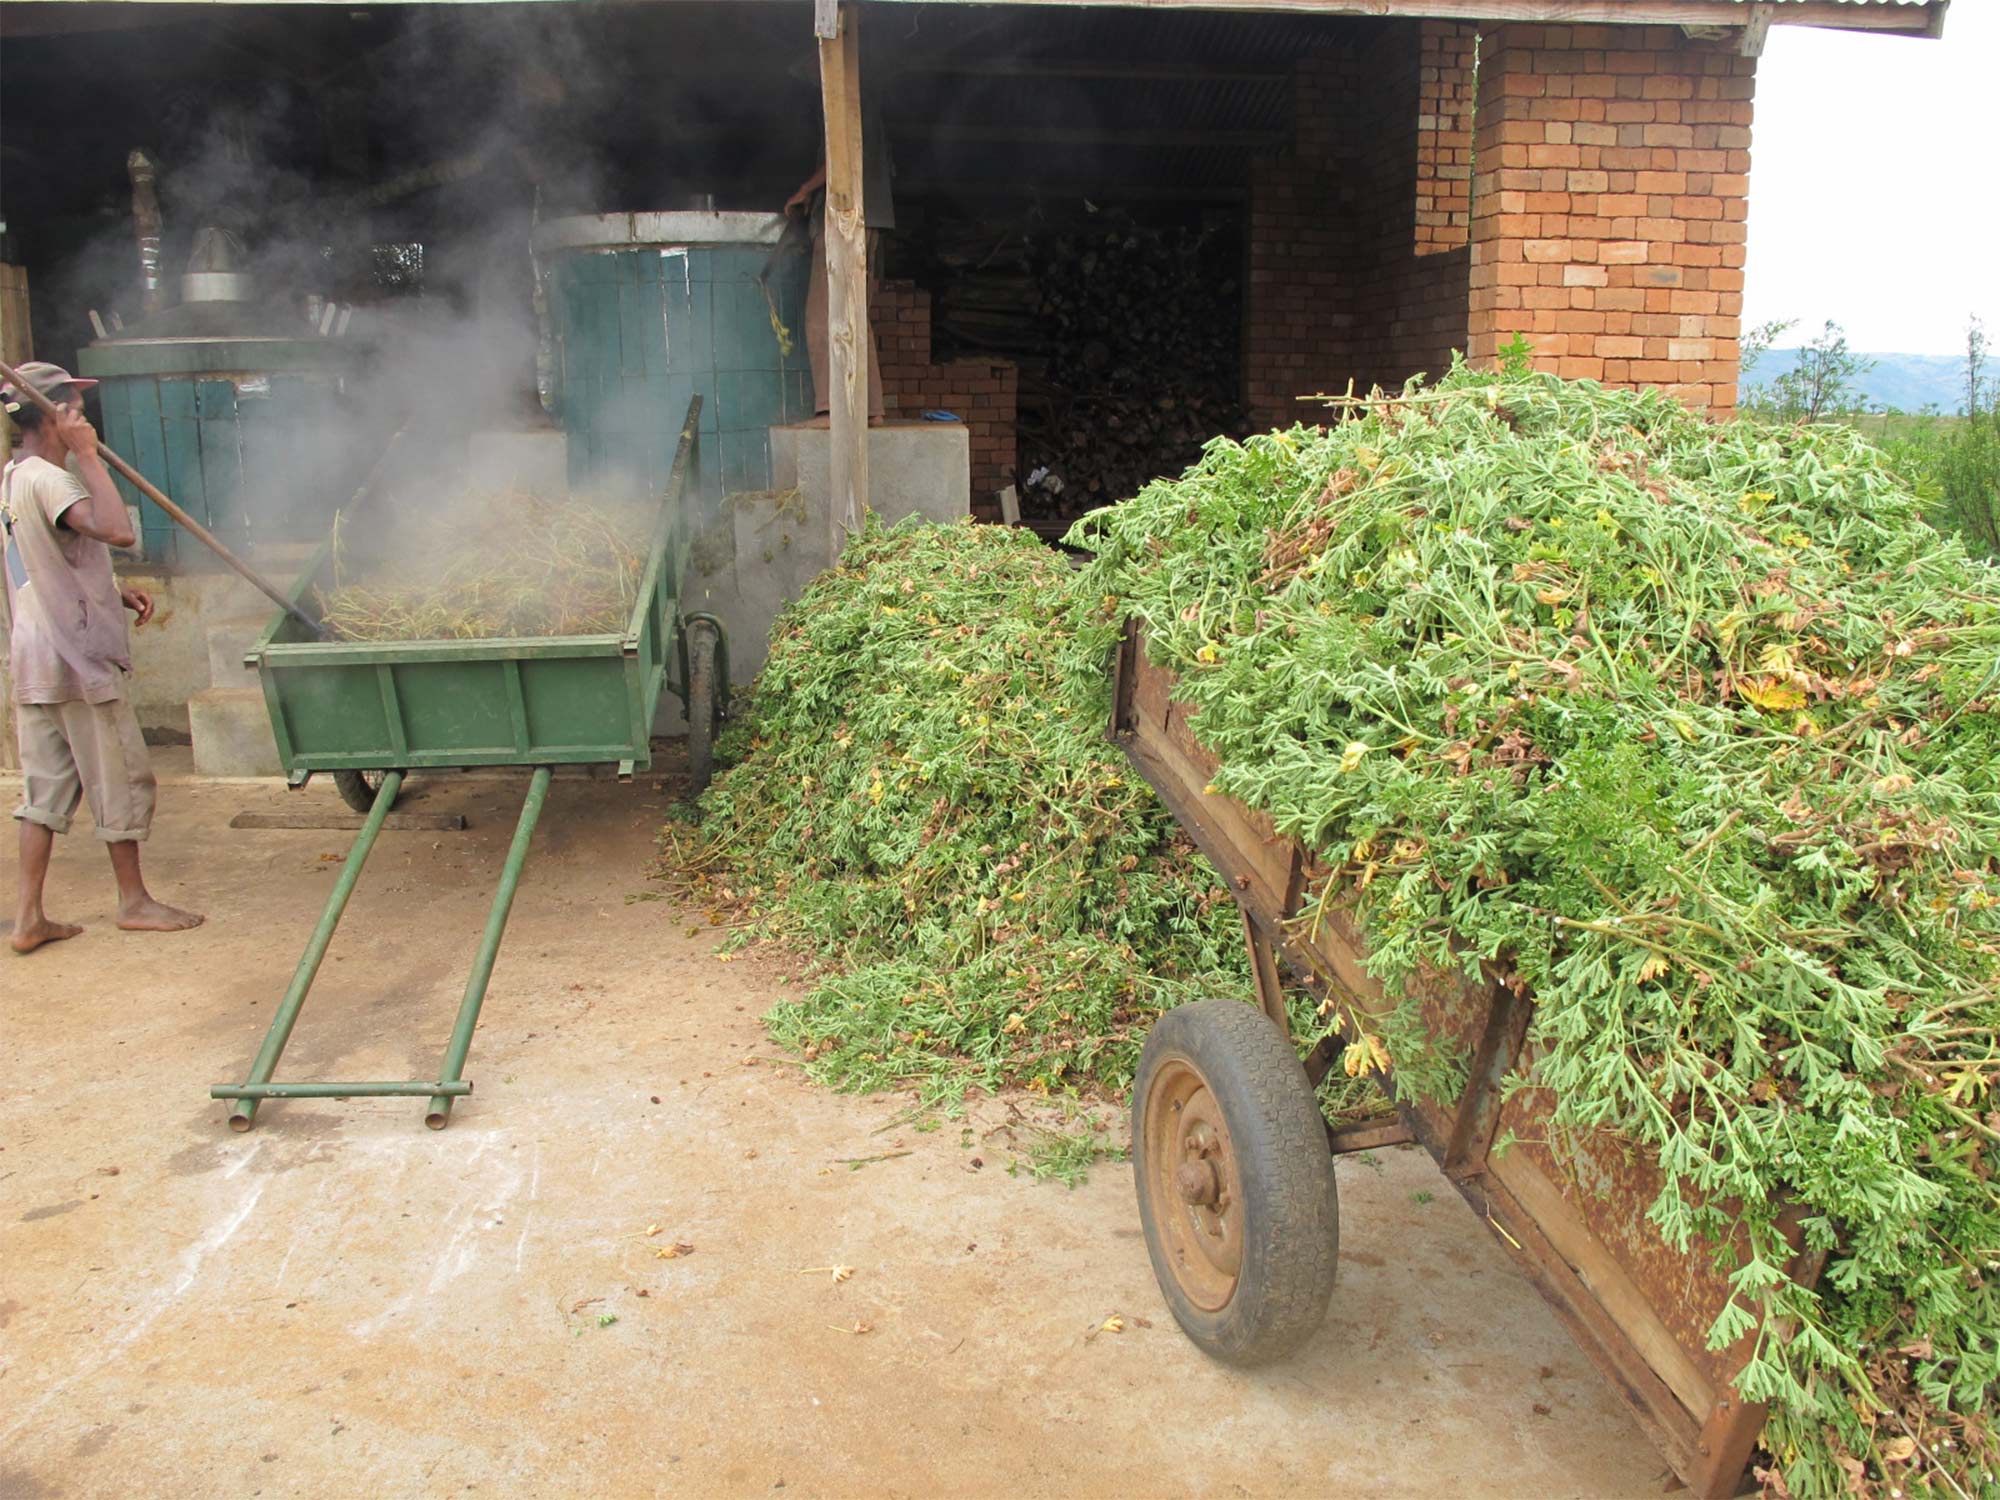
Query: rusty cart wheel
[[701, 706], [358, 788], [1236, 1187]]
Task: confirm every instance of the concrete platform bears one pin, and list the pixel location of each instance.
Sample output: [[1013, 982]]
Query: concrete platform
[[343, 1302]]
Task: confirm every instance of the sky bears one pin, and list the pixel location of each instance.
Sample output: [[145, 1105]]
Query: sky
[[1875, 184]]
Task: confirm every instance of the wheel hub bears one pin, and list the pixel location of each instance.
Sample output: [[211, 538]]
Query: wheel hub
[[1196, 1182], [1192, 1179]]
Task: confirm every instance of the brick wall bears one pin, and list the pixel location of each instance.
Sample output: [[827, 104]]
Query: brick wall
[[1302, 241], [980, 392], [1346, 281], [1609, 207], [1444, 136]]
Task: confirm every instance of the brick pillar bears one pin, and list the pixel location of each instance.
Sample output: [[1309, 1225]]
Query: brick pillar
[[1609, 207], [1444, 136]]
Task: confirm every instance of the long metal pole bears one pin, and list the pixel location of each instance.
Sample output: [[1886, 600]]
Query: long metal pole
[[439, 1113], [153, 493], [245, 1110]]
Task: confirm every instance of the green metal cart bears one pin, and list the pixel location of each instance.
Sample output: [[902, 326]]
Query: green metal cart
[[371, 712]]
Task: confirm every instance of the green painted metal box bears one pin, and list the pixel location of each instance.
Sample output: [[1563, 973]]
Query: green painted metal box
[[649, 309], [376, 705], [226, 427]]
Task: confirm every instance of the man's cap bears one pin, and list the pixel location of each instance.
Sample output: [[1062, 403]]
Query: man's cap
[[44, 377]]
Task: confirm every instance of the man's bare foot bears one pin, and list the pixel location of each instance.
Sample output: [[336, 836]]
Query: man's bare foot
[[156, 916], [41, 934]]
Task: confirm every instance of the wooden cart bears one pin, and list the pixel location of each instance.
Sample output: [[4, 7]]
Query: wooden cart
[[1235, 1178]]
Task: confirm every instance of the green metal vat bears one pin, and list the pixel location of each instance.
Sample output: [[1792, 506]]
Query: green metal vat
[[649, 309], [220, 424]]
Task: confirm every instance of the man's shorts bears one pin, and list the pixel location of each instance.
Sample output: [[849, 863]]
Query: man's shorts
[[70, 751]]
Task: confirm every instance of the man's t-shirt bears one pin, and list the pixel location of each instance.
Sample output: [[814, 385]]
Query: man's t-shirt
[[69, 636]]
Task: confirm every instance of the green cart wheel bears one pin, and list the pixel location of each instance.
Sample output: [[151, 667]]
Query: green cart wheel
[[358, 788], [1236, 1187]]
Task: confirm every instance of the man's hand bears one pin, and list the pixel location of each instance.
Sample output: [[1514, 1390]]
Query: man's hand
[[139, 602], [797, 203], [77, 435]]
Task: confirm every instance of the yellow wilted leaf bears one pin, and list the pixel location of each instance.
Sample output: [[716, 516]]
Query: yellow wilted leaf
[[1350, 758], [1777, 697], [1364, 1056], [1208, 653], [1112, 1324], [1652, 968], [1888, 786], [1898, 1450], [1015, 1024]]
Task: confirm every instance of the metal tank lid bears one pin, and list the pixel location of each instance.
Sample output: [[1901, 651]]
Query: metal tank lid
[[664, 230]]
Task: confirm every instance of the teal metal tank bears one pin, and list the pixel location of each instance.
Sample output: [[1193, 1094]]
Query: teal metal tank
[[648, 309], [234, 408]]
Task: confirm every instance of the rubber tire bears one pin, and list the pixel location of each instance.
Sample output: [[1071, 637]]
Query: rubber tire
[[358, 790], [701, 714], [1291, 1204]]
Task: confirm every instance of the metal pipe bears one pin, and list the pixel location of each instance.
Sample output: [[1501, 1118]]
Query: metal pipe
[[154, 493], [377, 1089], [439, 1113], [146, 225], [245, 1109]]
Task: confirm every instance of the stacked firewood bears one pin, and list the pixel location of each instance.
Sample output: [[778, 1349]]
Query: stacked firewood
[[1126, 333]]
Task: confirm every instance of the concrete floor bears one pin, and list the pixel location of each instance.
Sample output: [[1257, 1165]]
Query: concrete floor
[[344, 1302]]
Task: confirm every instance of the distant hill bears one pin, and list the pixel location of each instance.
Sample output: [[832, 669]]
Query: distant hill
[[1908, 382]]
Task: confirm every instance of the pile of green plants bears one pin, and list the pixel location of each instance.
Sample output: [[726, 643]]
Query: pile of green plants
[[1694, 728], [926, 800]]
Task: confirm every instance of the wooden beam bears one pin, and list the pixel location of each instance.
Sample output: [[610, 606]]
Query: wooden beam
[[342, 822], [1106, 188], [1913, 20], [1102, 70], [1756, 29], [1064, 135], [846, 276]]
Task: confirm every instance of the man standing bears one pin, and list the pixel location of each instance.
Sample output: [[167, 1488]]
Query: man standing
[[70, 657]]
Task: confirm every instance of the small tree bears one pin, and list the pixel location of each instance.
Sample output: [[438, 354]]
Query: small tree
[[1758, 341], [1975, 367], [1822, 384]]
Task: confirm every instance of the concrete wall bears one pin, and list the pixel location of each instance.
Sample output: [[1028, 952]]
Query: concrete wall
[[768, 546]]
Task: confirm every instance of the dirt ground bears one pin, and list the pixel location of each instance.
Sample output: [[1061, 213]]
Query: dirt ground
[[342, 1301]]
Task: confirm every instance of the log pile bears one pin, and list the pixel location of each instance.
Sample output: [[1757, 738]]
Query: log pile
[[1126, 334]]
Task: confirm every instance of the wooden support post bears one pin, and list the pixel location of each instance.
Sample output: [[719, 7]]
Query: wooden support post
[[847, 273], [17, 347]]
